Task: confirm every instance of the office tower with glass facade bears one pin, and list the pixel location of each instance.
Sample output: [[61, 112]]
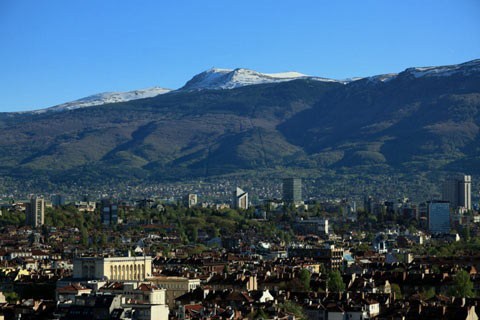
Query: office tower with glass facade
[[292, 190], [438, 216]]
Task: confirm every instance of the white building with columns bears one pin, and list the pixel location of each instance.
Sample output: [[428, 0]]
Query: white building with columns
[[112, 268]]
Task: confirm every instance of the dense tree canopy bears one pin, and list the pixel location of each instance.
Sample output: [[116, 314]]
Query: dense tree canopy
[[463, 285], [335, 281]]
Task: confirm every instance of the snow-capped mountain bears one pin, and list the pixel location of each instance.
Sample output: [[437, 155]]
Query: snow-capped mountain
[[106, 97], [229, 79], [233, 78], [439, 71], [210, 79], [443, 71]]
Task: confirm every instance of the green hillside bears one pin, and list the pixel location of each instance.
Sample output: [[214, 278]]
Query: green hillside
[[406, 125]]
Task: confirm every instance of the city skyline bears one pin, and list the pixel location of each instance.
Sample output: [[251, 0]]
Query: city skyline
[[322, 162]]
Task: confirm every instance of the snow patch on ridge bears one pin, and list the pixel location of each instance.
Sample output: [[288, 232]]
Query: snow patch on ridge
[[106, 97], [442, 71], [233, 78], [215, 78], [445, 71]]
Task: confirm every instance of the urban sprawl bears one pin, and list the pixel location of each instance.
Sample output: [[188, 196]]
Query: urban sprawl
[[197, 258]]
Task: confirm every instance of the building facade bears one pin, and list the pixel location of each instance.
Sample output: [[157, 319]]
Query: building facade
[[438, 216], [292, 190], [175, 286], [458, 192], [315, 226], [240, 199], [109, 212], [112, 268], [58, 200], [190, 200], [330, 256], [35, 212]]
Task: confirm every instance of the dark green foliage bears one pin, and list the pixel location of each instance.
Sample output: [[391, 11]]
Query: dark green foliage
[[428, 293], [84, 237], [395, 288], [12, 217], [69, 216], [305, 278], [192, 233], [103, 240], [226, 269], [335, 281], [294, 308], [404, 126], [11, 297], [463, 285], [260, 314]]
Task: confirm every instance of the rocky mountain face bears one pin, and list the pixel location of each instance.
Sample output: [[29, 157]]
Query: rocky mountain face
[[422, 119]]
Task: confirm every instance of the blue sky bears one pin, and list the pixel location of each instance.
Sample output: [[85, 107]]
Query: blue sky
[[57, 51]]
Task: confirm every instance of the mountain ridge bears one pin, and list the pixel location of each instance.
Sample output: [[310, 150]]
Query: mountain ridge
[[218, 79], [407, 125]]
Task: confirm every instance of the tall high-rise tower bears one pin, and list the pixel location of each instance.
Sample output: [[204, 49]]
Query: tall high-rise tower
[[292, 190], [35, 213], [190, 200], [438, 216], [109, 212], [465, 192], [458, 192], [240, 199]]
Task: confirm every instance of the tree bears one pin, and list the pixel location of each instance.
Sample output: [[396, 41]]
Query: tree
[[12, 297], [323, 269], [215, 232], [463, 285], [291, 307], [226, 269], [84, 238], [335, 281], [466, 234], [192, 233], [103, 240], [412, 229], [369, 237], [166, 252], [305, 278], [396, 289], [428, 293], [261, 314], [363, 247]]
